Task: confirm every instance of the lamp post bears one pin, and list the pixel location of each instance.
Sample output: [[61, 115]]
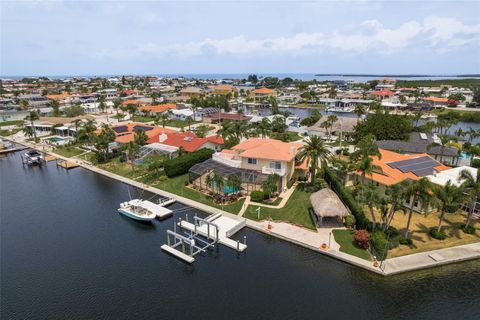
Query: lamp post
[[258, 213]]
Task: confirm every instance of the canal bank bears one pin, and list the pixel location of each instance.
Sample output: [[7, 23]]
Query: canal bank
[[392, 266], [67, 254]]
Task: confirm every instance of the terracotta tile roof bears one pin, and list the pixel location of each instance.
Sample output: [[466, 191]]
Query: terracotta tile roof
[[188, 140], [159, 108], [383, 93], [436, 99], [390, 176], [269, 149], [127, 102], [223, 87], [263, 91], [128, 133], [59, 96]]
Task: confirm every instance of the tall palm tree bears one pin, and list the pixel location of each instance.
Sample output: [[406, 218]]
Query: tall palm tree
[[331, 121], [209, 181], [371, 199], [420, 192], [443, 142], [314, 150], [116, 105], [189, 121], [366, 166], [395, 196], [76, 123], [359, 110], [28, 131], [32, 116], [449, 200], [132, 151], [472, 184], [234, 182], [219, 182], [273, 105]]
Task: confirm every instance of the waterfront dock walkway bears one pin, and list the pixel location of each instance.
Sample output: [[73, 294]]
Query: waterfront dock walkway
[[297, 235]]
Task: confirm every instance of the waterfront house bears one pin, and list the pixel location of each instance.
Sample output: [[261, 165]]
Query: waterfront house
[[219, 117], [340, 127], [262, 157], [223, 89], [420, 143], [192, 92], [158, 108], [126, 132], [394, 168], [262, 94]]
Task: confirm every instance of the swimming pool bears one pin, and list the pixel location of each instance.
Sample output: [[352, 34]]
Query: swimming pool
[[465, 155], [226, 189]]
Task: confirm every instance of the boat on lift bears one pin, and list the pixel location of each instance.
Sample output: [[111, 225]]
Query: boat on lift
[[144, 210], [33, 157]]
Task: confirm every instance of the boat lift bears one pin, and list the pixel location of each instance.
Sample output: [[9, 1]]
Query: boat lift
[[198, 237], [191, 243]]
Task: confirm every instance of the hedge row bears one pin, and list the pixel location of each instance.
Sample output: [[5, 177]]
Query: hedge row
[[355, 208], [181, 165]]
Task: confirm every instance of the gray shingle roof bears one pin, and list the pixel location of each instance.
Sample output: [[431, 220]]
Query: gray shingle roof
[[416, 145]]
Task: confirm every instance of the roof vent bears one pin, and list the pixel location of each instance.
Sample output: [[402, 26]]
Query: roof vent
[[187, 139]]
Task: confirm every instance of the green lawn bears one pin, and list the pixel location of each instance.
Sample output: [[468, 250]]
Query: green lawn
[[11, 123], [179, 123], [68, 151], [177, 185], [295, 211], [138, 118], [274, 203], [346, 241]]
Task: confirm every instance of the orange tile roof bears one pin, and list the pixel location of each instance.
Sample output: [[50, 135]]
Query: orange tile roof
[[389, 176], [189, 141], [59, 96], [269, 149], [436, 99], [264, 91], [383, 93], [159, 108], [129, 134], [223, 87], [127, 102]]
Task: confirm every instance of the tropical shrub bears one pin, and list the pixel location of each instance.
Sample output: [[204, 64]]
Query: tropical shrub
[[405, 241], [362, 239], [379, 243], [181, 164], [347, 198], [439, 235], [468, 230], [349, 221], [257, 196]]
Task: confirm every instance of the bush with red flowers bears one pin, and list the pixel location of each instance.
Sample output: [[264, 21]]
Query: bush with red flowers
[[362, 238]]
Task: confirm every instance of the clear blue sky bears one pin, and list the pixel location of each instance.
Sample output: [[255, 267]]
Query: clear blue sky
[[58, 37]]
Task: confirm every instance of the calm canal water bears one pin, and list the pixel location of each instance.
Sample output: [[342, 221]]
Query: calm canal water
[[67, 254]]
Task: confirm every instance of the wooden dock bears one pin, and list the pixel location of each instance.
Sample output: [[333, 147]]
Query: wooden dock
[[67, 164], [49, 158]]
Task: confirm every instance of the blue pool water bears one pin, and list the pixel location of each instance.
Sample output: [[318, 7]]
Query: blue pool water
[[226, 189], [465, 155]]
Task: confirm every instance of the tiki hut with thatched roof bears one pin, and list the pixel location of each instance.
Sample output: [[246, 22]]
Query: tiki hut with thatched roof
[[326, 204]]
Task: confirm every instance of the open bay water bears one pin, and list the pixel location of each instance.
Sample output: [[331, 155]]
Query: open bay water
[[67, 254]]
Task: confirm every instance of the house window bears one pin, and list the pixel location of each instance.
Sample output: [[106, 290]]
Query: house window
[[276, 165], [252, 161]]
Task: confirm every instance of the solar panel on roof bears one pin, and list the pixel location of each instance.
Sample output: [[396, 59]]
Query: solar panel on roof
[[397, 164], [420, 165], [120, 129], [143, 128], [423, 172]]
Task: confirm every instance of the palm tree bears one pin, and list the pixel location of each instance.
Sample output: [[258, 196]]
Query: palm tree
[[132, 150], [189, 121], [449, 200], [420, 192], [371, 199], [76, 123], [209, 181], [395, 196], [443, 142], [366, 166], [132, 109], [32, 116], [331, 121], [234, 182], [28, 131], [314, 150], [472, 184], [219, 182], [116, 105], [154, 97], [273, 105], [359, 111]]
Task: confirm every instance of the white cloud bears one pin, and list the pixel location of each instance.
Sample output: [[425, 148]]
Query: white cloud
[[440, 32]]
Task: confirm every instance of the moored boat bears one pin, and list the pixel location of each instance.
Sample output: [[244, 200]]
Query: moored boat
[[144, 210]]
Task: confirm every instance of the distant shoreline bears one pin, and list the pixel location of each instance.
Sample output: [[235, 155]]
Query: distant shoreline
[[398, 75]]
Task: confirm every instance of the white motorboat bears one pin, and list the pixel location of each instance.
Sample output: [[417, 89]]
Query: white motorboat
[[144, 210], [33, 157], [340, 109]]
